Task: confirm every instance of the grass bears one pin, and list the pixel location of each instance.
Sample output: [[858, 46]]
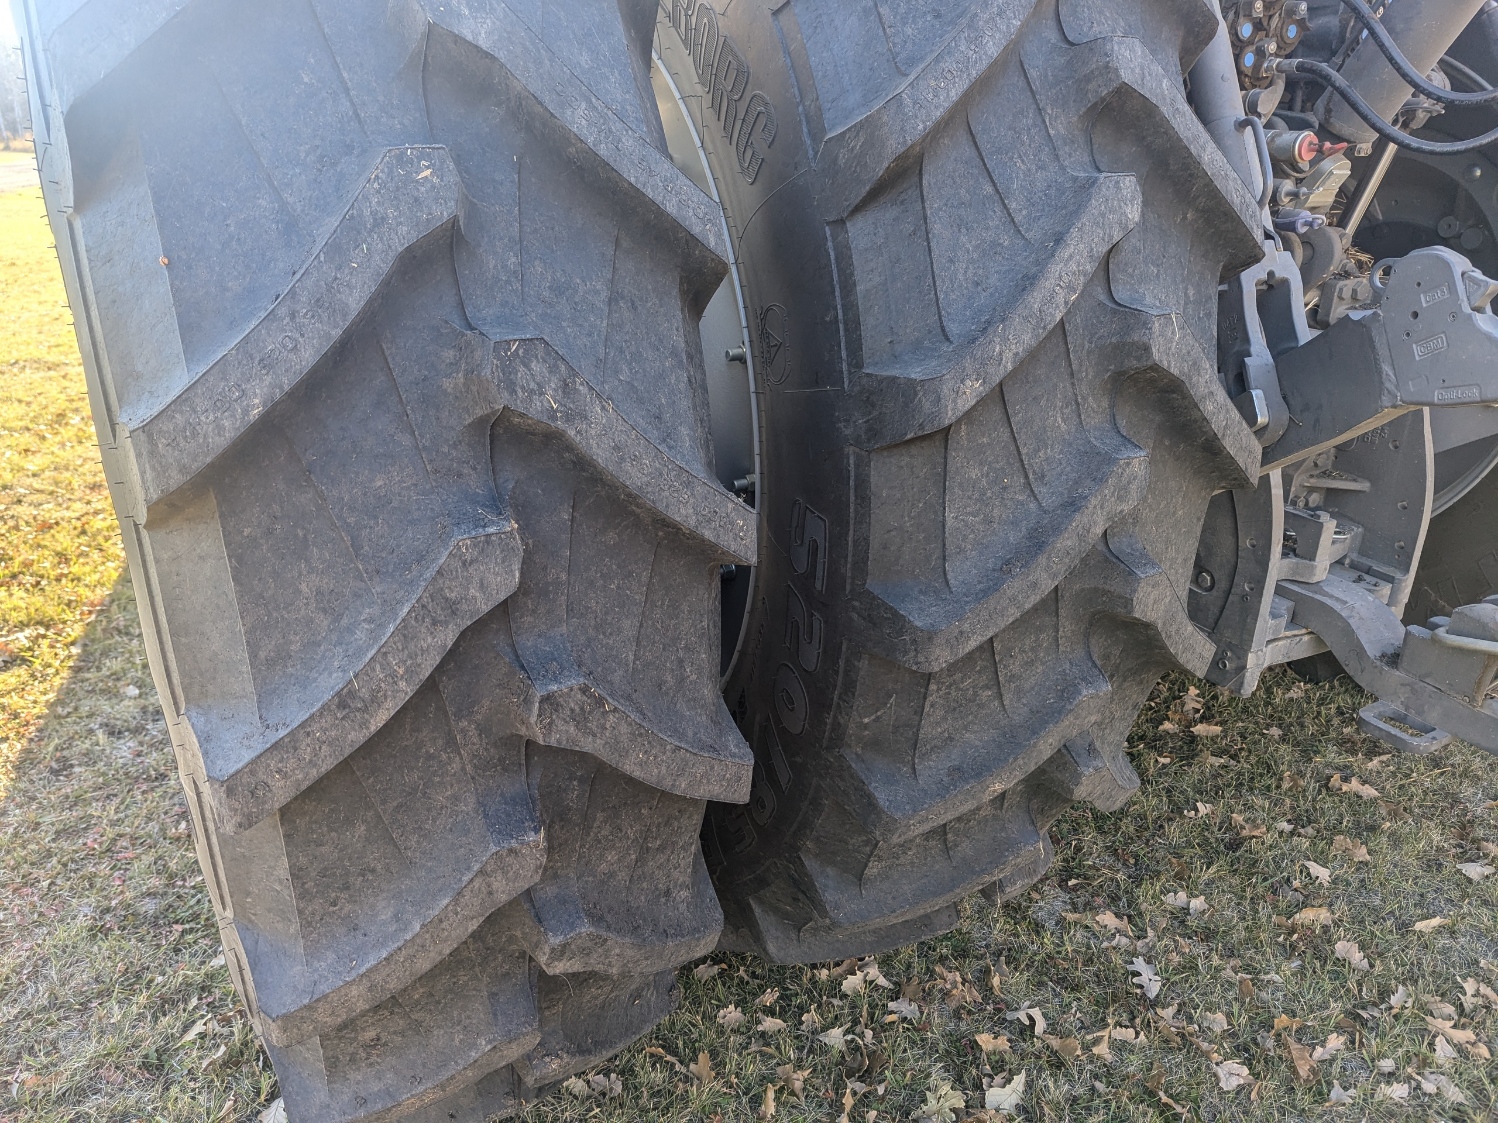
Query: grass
[[114, 1004]]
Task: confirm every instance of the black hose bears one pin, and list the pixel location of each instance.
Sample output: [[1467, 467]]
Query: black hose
[[1461, 70], [1402, 67], [1324, 73]]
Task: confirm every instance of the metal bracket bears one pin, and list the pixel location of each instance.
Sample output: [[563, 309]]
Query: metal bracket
[[1427, 341], [1436, 683], [1394, 727]]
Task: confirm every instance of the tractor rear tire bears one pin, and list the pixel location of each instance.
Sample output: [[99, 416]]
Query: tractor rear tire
[[389, 317], [981, 246]]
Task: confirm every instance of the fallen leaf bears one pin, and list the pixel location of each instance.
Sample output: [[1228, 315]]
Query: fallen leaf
[[1430, 925], [1475, 870], [1285, 1021], [1319, 872], [869, 968], [1441, 1008], [1443, 1051], [1169, 727], [833, 1037], [942, 1103], [793, 1079], [1349, 951], [1353, 786], [1247, 829], [1339, 1096], [1196, 906], [1394, 1091], [1068, 1047], [905, 1008], [1202, 729], [1109, 921], [731, 1017], [1300, 1057], [702, 1069], [1307, 918], [1030, 1014], [767, 1105], [1439, 1082], [1354, 849], [1145, 977], [1124, 1033], [990, 1043], [1201, 810], [1335, 1043], [608, 1086], [853, 985], [1450, 1032], [768, 1024], [1231, 1074], [1006, 1098], [706, 971], [768, 997], [809, 1020], [1179, 900], [1401, 997], [1217, 1023]]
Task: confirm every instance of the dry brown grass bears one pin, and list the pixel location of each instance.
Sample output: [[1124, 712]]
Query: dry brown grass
[[114, 1004]]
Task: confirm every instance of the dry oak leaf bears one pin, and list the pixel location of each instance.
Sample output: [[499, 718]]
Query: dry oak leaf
[[1394, 1091], [1030, 1014], [1069, 1047], [1005, 1098], [904, 1008], [1335, 1043], [1339, 1096], [1475, 870], [702, 1069], [1353, 785], [1349, 951], [794, 1079], [1169, 727], [706, 971], [1247, 829], [992, 1043], [731, 1017], [1145, 977], [768, 1024], [1231, 1075], [1108, 920], [1430, 925], [853, 985], [1306, 918], [1202, 729], [1217, 1023], [1300, 1057], [767, 1105], [1449, 1031], [768, 997], [1317, 871], [833, 1037], [1354, 849]]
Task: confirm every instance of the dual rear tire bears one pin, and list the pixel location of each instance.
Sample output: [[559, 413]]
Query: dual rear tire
[[391, 317]]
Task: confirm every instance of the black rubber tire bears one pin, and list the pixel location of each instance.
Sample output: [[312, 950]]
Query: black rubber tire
[[982, 248], [1459, 564], [389, 317]]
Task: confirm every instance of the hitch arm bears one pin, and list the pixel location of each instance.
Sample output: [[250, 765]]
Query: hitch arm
[[1437, 677]]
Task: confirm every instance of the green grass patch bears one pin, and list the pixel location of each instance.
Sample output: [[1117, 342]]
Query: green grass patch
[[1224, 883]]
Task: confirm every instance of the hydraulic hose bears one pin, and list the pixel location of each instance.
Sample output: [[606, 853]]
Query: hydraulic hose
[[1370, 117], [1422, 85]]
